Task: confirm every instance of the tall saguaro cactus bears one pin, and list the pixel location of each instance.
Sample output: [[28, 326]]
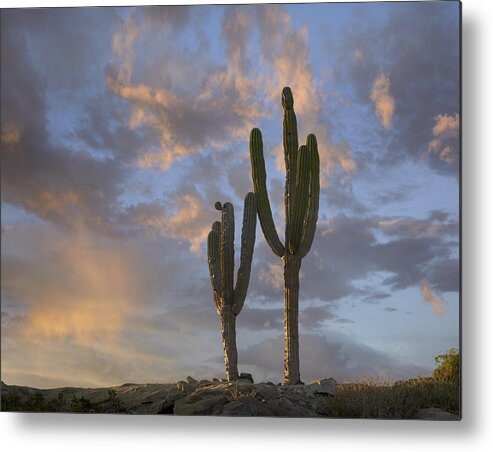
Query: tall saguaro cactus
[[220, 251], [301, 198]]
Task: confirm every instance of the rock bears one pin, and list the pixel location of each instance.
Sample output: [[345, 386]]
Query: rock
[[284, 407], [247, 406], [325, 386], [208, 405], [267, 392], [204, 383], [183, 386], [191, 380], [166, 406], [435, 414], [216, 380], [246, 376]]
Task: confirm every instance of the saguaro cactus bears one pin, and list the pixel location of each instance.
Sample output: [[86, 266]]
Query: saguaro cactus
[[301, 197], [220, 251]]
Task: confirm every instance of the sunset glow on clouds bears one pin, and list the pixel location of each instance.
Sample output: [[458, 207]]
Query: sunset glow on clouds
[[122, 126]]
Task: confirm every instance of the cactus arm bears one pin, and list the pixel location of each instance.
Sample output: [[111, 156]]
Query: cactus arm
[[247, 245], [301, 195], [311, 218], [290, 143], [228, 251], [259, 184], [214, 258], [216, 226]]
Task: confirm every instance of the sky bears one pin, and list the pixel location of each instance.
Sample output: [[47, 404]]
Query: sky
[[120, 129]]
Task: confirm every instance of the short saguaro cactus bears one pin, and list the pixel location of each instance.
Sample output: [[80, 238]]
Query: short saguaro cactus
[[229, 300]]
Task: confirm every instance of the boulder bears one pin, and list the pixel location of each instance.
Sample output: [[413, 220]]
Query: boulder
[[325, 386], [266, 392], [183, 386], [246, 376], [435, 414], [191, 380], [247, 406], [206, 406]]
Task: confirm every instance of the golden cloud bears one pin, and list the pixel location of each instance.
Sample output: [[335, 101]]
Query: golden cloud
[[445, 133], [434, 298], [383, 100]]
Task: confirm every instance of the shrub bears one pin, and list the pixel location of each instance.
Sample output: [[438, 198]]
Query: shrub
[[448, 366]]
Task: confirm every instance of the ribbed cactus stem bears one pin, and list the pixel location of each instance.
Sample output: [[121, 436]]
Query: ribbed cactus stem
[[260, 187], [247, 245], [301, 195], [310, 223], [228, 251], [214, 259], [292, 266], [290, 144], [301, 199], [220, 251], [228, 333]]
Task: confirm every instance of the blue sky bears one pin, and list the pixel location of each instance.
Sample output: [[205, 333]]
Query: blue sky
[[122, 126]]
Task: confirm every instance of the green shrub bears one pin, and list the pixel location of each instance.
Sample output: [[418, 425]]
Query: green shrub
[[448, 366]]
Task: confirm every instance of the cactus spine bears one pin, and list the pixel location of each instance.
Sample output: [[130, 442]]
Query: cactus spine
[[229, 300], [301, 199]]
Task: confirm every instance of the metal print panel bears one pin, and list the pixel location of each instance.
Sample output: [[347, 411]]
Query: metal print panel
[[235, 210]]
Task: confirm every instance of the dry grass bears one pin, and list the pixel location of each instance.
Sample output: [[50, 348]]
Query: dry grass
[[384, 400]]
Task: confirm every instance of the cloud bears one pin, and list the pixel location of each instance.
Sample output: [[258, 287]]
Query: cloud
[[445, 141], [187, 121], [333, 355], [423, 66], [349, 249], [383, 100], [10, 133], [260, 319], [191, 220], [97, 310], [413, 227], [55, 182], [272, 275], [434, 298], [232, 98]]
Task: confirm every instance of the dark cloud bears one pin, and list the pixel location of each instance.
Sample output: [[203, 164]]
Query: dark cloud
[[57, 183], [396, 195], [436, 225], [66, 43], [376, 297], [346, 249], [104, 129], [417, 45], [315, 316], [258, 319], [445, 274]]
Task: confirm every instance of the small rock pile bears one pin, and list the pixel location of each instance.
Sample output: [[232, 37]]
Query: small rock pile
[[245, 398]]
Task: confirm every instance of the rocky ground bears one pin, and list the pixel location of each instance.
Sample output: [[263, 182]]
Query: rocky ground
[[191, 397]]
